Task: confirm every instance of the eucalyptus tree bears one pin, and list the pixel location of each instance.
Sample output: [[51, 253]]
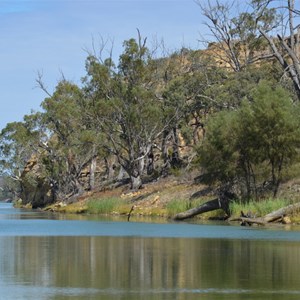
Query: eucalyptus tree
[[72, 143], [19, 142], [173, 94], [125, 106], [187, 83]]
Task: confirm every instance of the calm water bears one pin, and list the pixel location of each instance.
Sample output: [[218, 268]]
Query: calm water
[[45, 256]]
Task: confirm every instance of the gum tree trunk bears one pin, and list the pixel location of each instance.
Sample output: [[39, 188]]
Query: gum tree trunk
[[93, 167], [136, 182]]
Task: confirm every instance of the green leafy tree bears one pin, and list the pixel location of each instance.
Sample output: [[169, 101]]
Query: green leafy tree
[[19, 142], [189, 89], [275, 130], [218, 156], [250, 147], [125, 106], [73, 142]]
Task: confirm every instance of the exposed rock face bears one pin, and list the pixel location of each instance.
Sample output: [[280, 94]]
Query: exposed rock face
[[36, 190]]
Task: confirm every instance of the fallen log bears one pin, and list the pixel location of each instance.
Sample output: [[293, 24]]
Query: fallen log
[[222, 202], [271, 217], [282, 212], [205, 207]]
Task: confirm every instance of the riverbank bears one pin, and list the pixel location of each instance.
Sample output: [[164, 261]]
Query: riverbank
[[168, 196], [162, 198]]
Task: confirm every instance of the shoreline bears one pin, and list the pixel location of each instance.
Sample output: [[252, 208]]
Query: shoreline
[[162, 199]]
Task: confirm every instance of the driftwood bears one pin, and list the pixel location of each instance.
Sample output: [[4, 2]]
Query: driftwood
[[248, 221], [271, 217]]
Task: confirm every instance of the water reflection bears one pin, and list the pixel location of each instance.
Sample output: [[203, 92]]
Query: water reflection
[[147, 268], [46, 256]]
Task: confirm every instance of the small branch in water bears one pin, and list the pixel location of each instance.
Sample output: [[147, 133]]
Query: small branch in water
[[129, 214], [248, 221]]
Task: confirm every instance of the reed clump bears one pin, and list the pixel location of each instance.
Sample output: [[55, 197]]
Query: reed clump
[[104, 205]]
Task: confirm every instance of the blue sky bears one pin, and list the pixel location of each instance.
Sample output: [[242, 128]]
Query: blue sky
[[50, 36]]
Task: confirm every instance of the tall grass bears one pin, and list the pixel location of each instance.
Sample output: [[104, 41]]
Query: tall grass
[[103, 205], [176, 206], [258, 208]]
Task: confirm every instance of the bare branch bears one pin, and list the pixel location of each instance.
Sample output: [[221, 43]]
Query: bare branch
[[41, 84]]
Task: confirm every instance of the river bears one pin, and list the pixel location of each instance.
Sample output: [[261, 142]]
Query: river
[[49, 256]]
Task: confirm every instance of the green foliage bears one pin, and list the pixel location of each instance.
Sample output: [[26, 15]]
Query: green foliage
[[74, 140], [237, 86], [5, 190], [252, 145], [125, 106], [18, 143], [63, 110], [140, 109], [217, 155]]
